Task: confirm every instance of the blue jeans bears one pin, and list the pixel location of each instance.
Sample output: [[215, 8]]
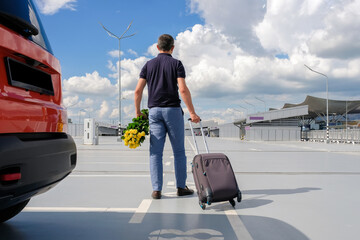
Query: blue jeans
[[168, 120]]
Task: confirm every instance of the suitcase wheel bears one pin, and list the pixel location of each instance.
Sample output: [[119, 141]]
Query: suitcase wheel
[[239, 196], [202, 205], [232, 202], [209, 200]]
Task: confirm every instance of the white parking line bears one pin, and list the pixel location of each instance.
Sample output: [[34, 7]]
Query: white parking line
[[117, 163], [141, 211], [237, 225], [138, 216], [170, 194], [77, 209], [107, 175]]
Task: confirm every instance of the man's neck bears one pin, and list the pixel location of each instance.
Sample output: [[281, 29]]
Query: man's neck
[[167, 52]]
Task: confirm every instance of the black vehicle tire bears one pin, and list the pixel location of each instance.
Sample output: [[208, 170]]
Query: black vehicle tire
[[10, 212]]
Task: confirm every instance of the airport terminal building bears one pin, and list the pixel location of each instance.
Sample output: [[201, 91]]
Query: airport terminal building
[[295, 122]]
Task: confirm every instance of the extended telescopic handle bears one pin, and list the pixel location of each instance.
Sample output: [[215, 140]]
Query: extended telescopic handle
[[202, 133]]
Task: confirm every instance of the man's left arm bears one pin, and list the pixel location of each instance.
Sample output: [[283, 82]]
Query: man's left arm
[[138, 95]]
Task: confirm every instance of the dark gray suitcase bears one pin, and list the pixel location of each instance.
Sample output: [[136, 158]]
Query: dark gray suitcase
[[213, 175]]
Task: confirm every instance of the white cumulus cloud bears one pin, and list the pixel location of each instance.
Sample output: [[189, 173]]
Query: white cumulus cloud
[[235, 18], [50, 7], [287, 24], [329, 29], [104, 109], [114, 113], [91, 83], [216, 67], [130, 70], [71, 101], [339, 38], [115, 53]]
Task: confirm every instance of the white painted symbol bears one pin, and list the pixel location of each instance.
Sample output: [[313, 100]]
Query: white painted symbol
[[194, 234]]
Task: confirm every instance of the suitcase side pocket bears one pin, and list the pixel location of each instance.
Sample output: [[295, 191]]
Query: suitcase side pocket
[[221, 178]]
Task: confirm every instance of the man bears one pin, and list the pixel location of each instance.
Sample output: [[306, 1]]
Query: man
[[165, 76]]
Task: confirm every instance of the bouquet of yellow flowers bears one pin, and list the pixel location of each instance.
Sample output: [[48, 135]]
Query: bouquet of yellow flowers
[[135, 132]]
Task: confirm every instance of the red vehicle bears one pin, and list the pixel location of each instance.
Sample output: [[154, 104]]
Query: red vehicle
[[35, 151]]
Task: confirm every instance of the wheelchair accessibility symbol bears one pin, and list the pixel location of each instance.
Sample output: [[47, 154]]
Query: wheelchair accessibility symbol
[[194, 234]]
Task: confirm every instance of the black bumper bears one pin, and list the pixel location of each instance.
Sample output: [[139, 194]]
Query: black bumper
[[42, 159]]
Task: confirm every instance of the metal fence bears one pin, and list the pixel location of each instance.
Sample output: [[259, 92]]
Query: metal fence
[[75, 129], [277, 133], [335, 135]]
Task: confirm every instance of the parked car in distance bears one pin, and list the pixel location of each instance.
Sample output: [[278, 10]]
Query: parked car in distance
[[35, 151]]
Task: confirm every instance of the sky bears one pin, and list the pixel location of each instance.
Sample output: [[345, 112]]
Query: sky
[[240, 56]]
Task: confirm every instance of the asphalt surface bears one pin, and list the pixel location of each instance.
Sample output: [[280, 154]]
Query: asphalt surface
[[291, 190]]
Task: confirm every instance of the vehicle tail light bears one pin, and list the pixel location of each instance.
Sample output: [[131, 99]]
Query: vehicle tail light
[[60, 127], [9, 177]]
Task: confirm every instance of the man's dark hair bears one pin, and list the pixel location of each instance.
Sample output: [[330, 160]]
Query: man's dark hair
[[165, 42]]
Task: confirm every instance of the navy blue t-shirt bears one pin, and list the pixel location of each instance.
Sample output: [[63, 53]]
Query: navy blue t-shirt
[[161, 75]]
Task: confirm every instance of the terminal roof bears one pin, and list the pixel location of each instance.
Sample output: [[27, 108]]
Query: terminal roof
[[317, 106]]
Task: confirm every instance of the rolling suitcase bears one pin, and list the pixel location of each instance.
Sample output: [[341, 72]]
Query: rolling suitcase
[[213, 175]]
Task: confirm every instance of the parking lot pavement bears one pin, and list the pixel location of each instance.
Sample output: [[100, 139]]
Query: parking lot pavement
[[291, 190]]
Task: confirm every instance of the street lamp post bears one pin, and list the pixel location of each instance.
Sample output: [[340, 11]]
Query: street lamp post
[[346, 126], [327, 102], [119, 38]]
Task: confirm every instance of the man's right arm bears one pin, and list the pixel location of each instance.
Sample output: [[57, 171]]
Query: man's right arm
[[186, 97], [138, 95]]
